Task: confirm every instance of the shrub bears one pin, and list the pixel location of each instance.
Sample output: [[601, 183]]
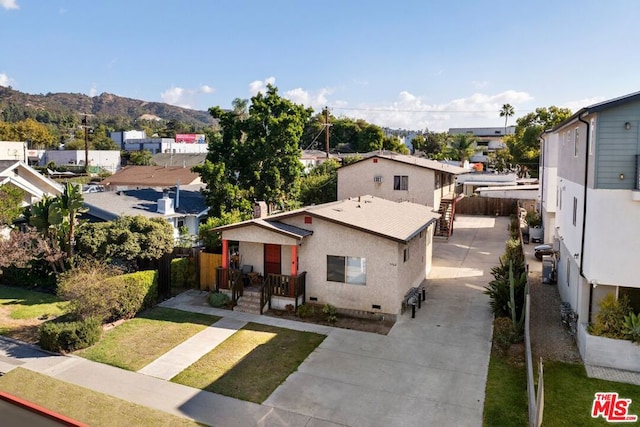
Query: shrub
[[503, 334], [98, 290], [533, 219], [183, 272], [218, 299], [306, 310], [609, 321], [331, 313], [513, 252], [632, 327], [499, 290], [67, 336]]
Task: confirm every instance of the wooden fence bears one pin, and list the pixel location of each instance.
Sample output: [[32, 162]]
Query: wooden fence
[[490, 206], [208, 263]]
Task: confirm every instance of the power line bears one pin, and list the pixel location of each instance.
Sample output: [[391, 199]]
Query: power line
[[390, 110]]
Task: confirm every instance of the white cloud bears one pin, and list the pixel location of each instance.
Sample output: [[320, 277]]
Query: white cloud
[[260, 86], [9, 4], [316, 100], [480, 85], [93, 91], [5, 80], [412, 112], [206, 89], [176, 96], [581, 103]]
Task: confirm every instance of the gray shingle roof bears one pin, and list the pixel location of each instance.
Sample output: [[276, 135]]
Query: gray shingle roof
[[109, 205], [396, 221]]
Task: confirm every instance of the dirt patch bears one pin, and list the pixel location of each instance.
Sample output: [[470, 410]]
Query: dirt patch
[[20, 329], [380, 325], [549, 338]]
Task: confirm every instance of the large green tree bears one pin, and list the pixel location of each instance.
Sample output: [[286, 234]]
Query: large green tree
[[461, 147], [431, 144], [320, 185], [10, 203], [524, 145], [257, 156], [128, 238], [30, 130]]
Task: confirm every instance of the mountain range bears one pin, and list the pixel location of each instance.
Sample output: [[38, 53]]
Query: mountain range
[[58, 107]]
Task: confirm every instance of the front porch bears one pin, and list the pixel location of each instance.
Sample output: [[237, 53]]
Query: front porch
[[272, 291]]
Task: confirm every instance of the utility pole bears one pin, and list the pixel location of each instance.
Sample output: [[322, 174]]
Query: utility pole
[[86, 144], [326, 129]]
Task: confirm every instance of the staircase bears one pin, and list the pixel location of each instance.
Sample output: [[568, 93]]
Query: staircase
[[249, 302], [444, 226]]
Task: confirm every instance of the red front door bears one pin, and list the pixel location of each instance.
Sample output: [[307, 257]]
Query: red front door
[[272, 259]]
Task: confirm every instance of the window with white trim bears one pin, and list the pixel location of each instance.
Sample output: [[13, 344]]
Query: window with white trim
[[346, 269]]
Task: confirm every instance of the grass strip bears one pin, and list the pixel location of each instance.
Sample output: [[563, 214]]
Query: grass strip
[[251, 363], [87, 406], [505, 402], [139, 341], [25, 304]]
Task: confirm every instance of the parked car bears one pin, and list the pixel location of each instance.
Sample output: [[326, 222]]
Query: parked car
[[541, 250]]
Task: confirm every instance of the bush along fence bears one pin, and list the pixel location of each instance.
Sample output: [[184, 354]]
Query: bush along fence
[[98, 294], [509, 300]]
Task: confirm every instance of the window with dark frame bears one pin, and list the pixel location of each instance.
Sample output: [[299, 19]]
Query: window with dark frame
[[575, 210], [401, 182], [351, 270]]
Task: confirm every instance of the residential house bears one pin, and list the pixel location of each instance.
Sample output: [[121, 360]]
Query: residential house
[[34, 185], [150, 176], [400, 177], [180, 206], [360, 254], [312, 158], [590, 205]]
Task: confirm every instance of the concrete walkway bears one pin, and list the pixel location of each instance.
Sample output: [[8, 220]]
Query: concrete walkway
[[186, 354], [430, 370]]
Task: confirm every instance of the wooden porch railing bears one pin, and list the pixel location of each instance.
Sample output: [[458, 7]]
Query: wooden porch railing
[[282, 285], [279, 285], [230, 278]]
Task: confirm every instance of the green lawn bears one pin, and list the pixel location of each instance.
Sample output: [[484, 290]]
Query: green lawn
[[139, 341], [87, 406], [251, 363], [24, 304], [569, 394], [505, 402]]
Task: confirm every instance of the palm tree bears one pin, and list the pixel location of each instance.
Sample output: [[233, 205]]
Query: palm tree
[[462, 146], [506, 111]]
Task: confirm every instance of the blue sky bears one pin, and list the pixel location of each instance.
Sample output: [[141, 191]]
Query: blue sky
[[402, 64]]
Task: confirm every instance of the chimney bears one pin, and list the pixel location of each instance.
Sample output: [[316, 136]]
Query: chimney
[[165, 204], [260, 209]]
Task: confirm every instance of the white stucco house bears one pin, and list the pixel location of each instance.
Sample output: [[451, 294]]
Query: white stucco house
[[359, 254], [400, 177], [590, 204], [33, 184]]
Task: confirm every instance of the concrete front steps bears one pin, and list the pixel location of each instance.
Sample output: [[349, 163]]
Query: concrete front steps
[[249, 302]]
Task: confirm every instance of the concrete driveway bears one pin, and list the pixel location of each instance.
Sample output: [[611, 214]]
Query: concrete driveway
[[429, 371]]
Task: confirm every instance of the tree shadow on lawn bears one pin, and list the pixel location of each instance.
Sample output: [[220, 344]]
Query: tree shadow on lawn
[[252, 363]]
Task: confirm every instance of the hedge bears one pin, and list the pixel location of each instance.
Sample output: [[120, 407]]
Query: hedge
[[183, 272], [70, 336]]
